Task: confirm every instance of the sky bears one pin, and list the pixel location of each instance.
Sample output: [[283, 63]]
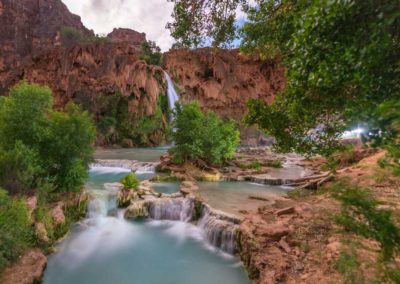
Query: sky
[[148, 16]]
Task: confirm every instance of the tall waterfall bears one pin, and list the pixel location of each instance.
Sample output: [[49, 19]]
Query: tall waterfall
[[172, 95]]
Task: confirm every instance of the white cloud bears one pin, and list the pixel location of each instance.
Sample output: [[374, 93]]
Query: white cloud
[[148, 16]]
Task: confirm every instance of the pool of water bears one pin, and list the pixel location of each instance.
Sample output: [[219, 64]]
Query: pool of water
[[234, 197], [110, 250], [139, 154], [166, 187]]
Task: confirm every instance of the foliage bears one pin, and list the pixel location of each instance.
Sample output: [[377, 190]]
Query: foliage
[[130, 181], [38, 144], [333, 52], [196, 22], [115, 123], [15, 228], [71, 36], [348, 265], [388, 120], [200, 136], [362, 215], [69, 147], [333, 56], [151, 53], [19, 167]]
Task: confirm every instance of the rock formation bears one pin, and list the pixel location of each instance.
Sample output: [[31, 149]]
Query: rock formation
[[223, 80], [42, 42]]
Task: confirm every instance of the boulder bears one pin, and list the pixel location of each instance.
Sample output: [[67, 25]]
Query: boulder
[[137, 209], [27, 270]]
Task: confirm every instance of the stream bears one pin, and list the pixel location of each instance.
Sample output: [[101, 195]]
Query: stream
[[106, 248]]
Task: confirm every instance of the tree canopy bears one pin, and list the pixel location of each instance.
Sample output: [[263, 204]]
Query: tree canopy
[[342, 59], [40, 145], [151, 53], [202, 136]]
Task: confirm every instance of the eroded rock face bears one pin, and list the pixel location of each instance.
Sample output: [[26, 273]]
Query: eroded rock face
[[223, 80], [98, 70], [42, 42], [132, 37], [29, 28]]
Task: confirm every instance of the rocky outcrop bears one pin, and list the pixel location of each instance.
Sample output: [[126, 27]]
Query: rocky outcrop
[[223, 80], [27, 270], [134, 38], [42, 42], [29, 28]]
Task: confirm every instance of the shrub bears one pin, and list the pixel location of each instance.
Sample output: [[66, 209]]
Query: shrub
[[200, 136], [130, 181], [37, 143], [15, 228], [19, 168], [151, 53]]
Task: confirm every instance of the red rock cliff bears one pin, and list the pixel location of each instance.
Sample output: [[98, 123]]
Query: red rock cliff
[[223, 80], [42, 42]]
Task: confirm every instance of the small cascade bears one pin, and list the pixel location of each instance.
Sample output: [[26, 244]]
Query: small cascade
[[171, 92], [174, 209], [146, 169], [220, 231]]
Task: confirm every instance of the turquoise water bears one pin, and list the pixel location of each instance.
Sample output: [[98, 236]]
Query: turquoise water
[[110, 250], [166, 187], [139, 154], [233, 197]]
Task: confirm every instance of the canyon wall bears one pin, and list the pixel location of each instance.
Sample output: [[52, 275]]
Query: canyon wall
[[42, 42], [223, 80]]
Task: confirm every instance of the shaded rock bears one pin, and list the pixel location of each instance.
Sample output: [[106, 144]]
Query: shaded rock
[[137, 209], [57, 213], [288, 210], [275, 231], [31, 204], [41, 232]]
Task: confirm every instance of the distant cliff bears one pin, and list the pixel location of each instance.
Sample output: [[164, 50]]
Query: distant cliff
[[223, 80]]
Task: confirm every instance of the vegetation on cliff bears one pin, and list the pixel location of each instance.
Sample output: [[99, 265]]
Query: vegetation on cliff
[[151, 53], [202, 136], [117, 125]]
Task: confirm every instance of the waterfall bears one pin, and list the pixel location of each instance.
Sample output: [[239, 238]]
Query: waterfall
[[219, 230], [175, 209], [172, 95]]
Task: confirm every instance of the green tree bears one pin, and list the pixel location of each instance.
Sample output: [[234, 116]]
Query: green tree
[[39, 144], [334, 53], [198, 22], [69, 147], [19, 167], [151, 53], [200, 136]]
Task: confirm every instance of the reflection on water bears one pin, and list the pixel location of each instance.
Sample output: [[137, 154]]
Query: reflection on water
[[139, 154], [233, 197], [110, 250], [166, 187]]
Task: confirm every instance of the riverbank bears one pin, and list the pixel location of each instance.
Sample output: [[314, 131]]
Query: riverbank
[[51, 220]]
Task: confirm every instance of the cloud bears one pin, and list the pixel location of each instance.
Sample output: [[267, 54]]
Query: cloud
[[148, 16]]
